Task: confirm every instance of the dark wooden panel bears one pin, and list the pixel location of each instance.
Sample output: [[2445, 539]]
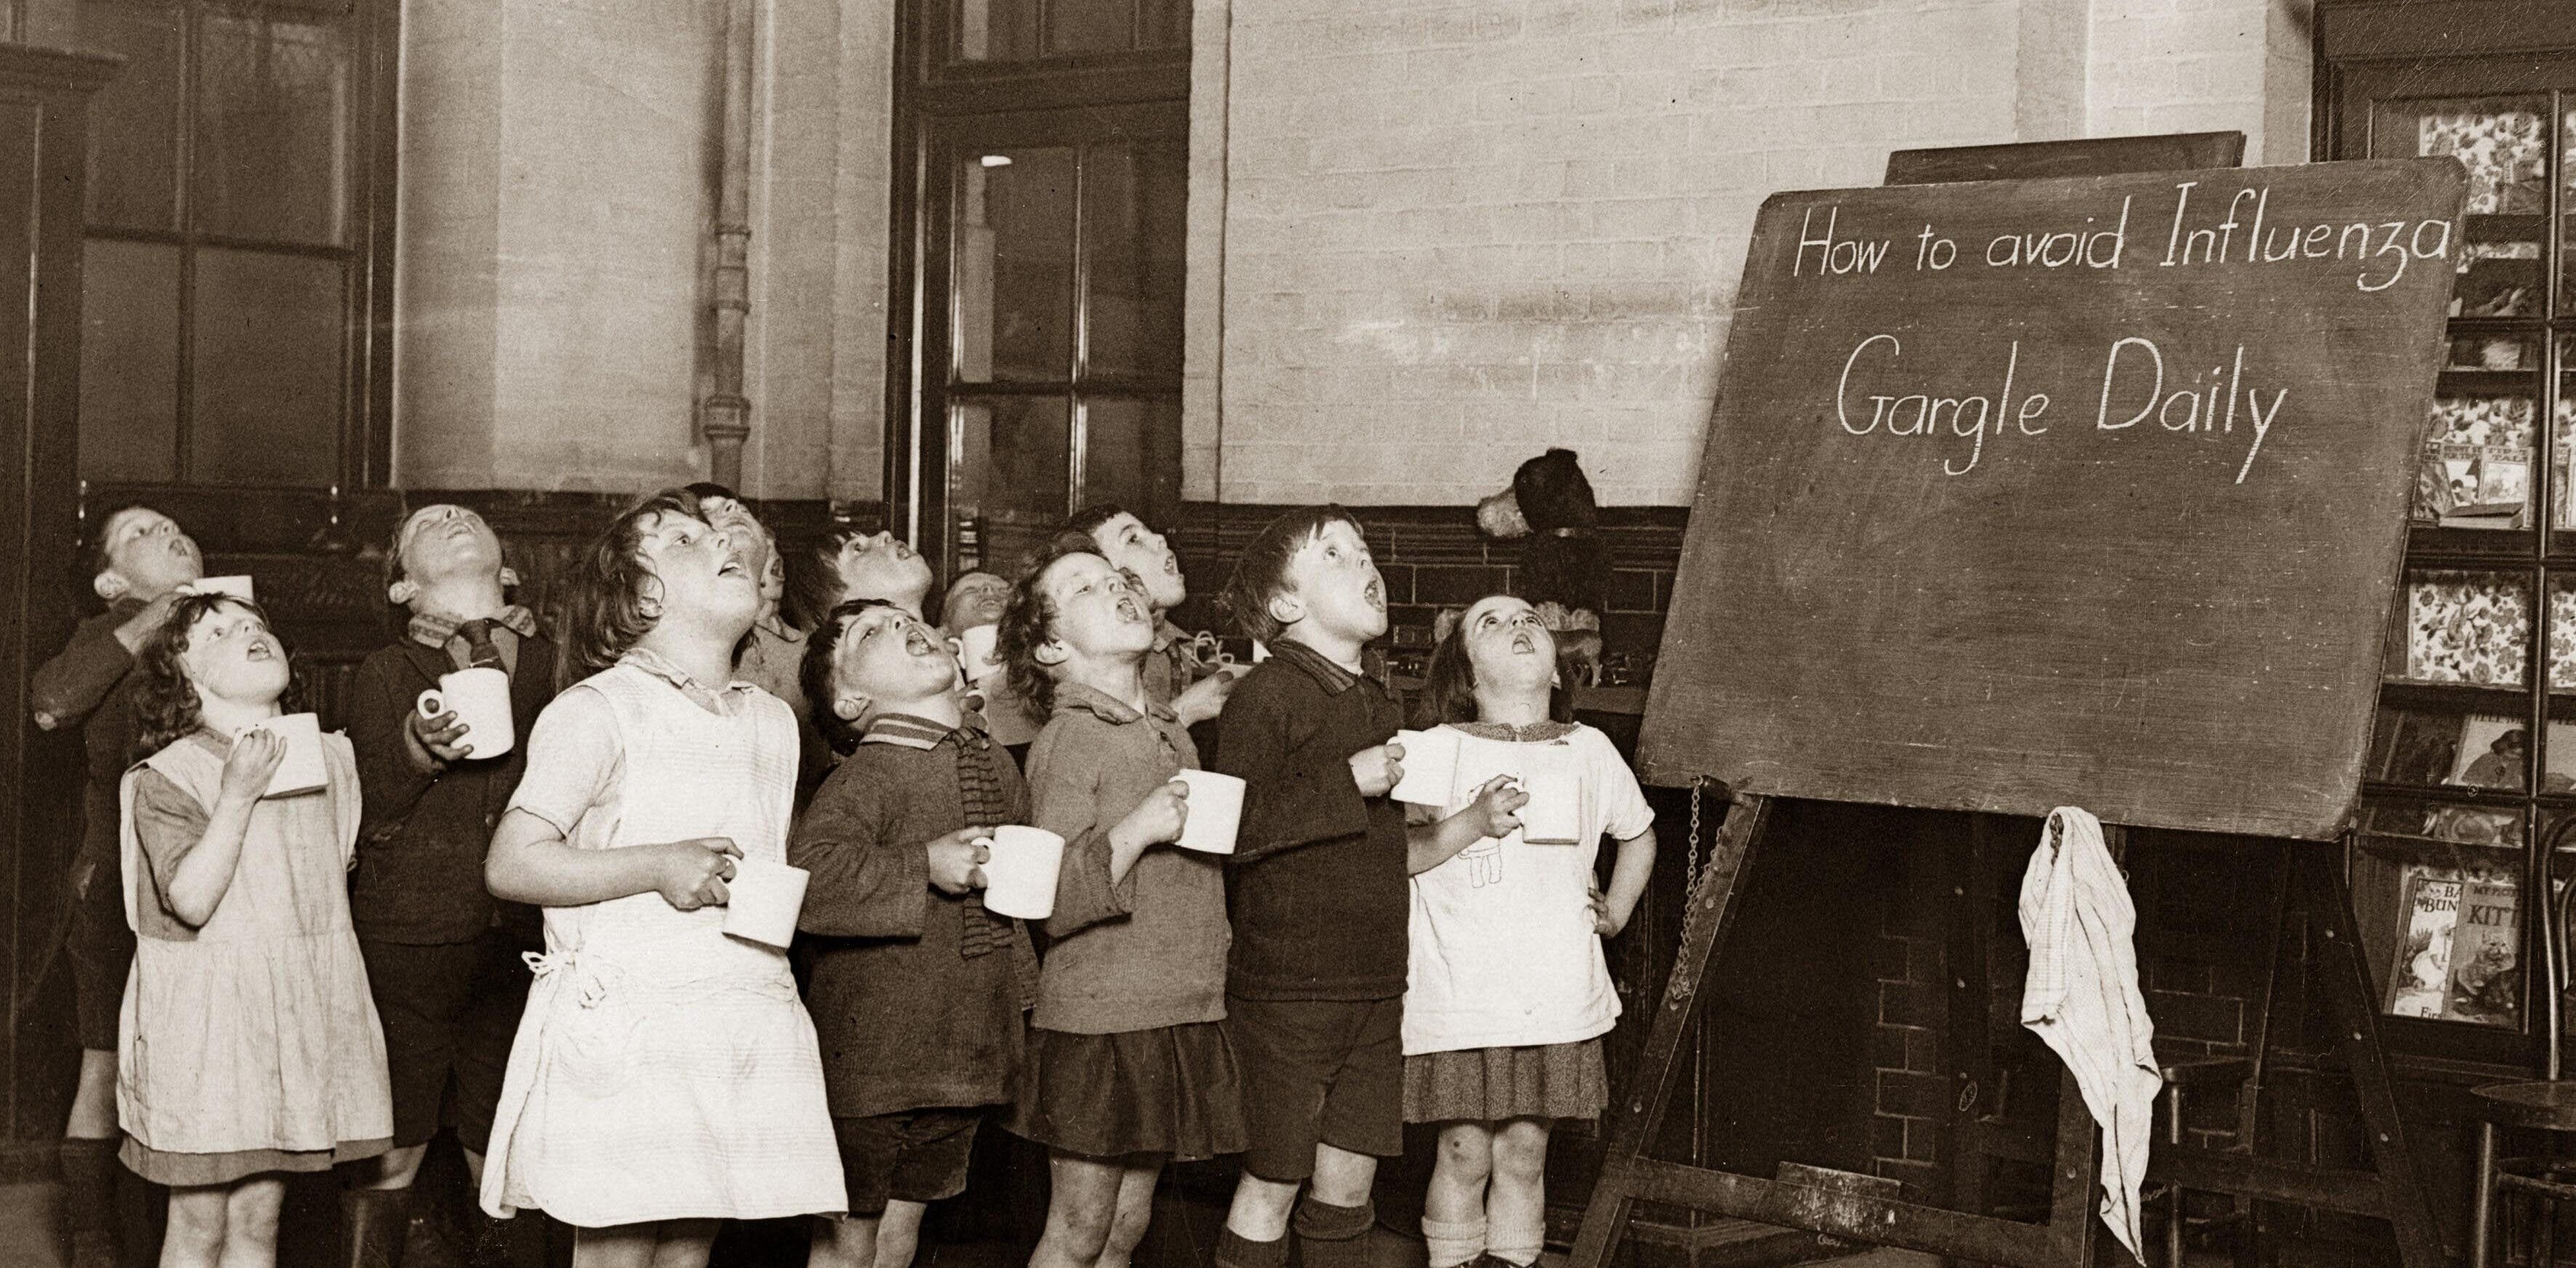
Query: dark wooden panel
[[2089, 156], [1891, 600], [2444, 28], [43, 148]]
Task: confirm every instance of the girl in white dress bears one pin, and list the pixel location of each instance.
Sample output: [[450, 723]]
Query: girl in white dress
[[665, 1076], [248, 1044], [1508, 993]]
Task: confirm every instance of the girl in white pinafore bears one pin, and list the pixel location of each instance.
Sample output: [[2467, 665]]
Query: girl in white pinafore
[[664, 1071], [248, 1043]]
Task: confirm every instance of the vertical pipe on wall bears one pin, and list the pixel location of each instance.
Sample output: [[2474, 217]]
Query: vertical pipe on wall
[[724, 416]]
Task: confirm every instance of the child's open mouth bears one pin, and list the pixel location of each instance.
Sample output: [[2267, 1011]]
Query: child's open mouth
[[1522, 642], [259, 651], [1128, 610], [733, 568], [1375, 594], [917, 641]]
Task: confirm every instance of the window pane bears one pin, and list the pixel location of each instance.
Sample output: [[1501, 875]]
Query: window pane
[[1014, 266], [1007, 472], [1162, 24], [129, 390], [134, 120], [268, 369], [272, 130], [1135, 227], [1091, 26], [997, 30], [1131, 455]]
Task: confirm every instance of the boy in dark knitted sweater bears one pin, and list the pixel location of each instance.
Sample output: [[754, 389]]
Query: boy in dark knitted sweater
[[1321, 900], [443, 955], [917, 991]]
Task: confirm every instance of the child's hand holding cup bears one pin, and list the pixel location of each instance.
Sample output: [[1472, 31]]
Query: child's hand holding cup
[[1497, 805], [1162, 816], [255, 757], [956, 859], [692, 874], [1213, 813], [476, 704], [1378, 770]]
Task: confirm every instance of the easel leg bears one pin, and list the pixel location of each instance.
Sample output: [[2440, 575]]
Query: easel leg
[[2348, 993], [2076, 1176], [1606, 1219]]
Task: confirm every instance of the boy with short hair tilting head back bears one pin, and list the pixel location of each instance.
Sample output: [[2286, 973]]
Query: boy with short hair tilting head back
[[443, 956], [917, 991], [142, 562], [1315, 987]]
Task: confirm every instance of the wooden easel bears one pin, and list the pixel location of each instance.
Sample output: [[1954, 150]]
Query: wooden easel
[[2395, 1192], [2066, 1239]]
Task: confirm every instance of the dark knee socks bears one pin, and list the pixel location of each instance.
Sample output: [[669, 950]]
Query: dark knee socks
[[89, 1195], [1234, 1250], [1331, 1234], [377, 1221]]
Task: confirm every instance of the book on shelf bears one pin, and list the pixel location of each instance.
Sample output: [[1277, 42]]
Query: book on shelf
[[2419, 981], [2486, 954], [2464, 627], [2476, 471], [2490, 752]]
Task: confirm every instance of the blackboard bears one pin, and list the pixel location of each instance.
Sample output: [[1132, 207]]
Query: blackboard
[[2086, 156], [2062, 492]]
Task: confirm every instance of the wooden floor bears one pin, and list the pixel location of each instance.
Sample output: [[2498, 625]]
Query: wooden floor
[[28, 1240]]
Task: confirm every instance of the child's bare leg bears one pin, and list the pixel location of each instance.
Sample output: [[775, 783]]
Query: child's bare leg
[[399, 1167], [899, 1233], [617, 1246], [250, 1222], [93, 1114], [196, 1236], [1516, 1205], [1079, 1212], [1453, 1209], [1135, 1212], [843, 1241], [1261, 1207], [684, 1243]]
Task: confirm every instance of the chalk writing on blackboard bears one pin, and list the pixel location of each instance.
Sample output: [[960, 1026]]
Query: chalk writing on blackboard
[[2137, 383], [2378, 252], [2206, 404]]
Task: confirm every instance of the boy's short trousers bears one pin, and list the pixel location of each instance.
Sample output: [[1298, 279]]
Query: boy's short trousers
[[102, 951], [1318, 1071], [917, 1155], [450, 1011]]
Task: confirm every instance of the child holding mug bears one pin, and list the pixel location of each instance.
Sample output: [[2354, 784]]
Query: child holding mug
[[665, 1075], [1128, 1066], [1508, 993], [443, 955], [917, 989], [248, 1044]]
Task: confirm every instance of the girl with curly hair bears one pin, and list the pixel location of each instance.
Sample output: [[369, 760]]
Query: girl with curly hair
[[249, 1045]]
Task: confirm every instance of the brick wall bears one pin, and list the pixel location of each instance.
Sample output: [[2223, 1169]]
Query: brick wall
[[1451, 234]]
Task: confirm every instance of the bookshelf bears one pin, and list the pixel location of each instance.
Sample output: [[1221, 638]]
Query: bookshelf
[[2473, 758]]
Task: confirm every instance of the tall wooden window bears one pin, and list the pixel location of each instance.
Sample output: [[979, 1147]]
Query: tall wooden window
[[1041, 255], [238, 272]]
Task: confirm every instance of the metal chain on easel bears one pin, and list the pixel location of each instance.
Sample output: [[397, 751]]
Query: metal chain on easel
[[1697, 869]]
